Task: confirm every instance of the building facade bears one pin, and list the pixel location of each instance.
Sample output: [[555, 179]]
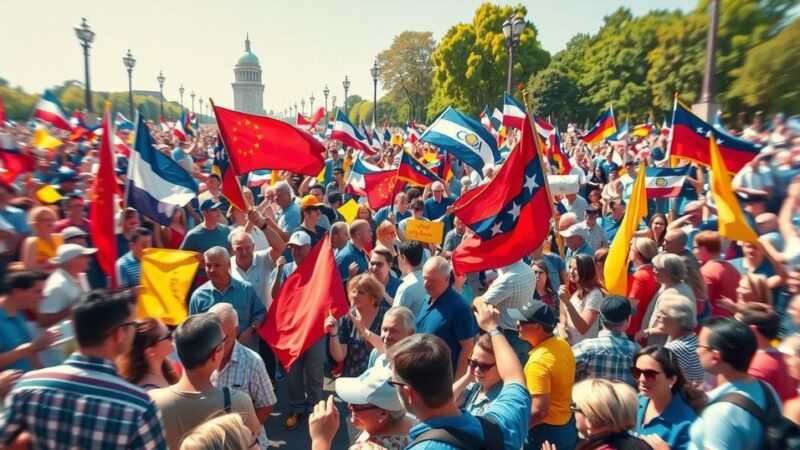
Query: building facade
[[248, 90]]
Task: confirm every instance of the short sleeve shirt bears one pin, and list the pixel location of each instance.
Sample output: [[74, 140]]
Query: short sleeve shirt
[[358, 349], [449, 318], [551, 370], [593, 300], [13, 333]]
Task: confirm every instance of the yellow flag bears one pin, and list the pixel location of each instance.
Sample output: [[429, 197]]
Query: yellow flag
[[167, 276], [349, 210], [732, 223], [321, 174], [48, 194], [616, 267], [43, 140]]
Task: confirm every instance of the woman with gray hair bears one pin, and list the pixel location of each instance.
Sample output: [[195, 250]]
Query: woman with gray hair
[[670, 271], [676, 318]]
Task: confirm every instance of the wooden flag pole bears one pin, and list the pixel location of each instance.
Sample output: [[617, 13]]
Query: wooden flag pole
[[526, 98]]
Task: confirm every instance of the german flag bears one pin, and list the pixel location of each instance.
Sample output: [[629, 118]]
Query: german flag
[[604, 127], [414, 171]]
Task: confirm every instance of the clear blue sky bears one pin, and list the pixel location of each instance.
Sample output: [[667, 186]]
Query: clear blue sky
[[302, 45]]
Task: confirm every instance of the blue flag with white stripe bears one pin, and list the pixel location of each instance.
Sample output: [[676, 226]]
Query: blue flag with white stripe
[[463, 137], [157, 185]]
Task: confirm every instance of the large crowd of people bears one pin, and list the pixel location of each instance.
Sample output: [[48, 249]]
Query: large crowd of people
[[701, 352]]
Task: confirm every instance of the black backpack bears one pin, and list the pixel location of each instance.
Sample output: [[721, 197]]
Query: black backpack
[[779, 432], [492, 436]]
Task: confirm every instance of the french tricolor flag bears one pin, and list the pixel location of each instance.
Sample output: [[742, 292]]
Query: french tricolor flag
[[513, 112], [665, 182], [49, 110], [346, 133]]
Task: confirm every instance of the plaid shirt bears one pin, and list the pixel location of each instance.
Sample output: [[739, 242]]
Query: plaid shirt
[[513, 288], [246, 372], [609, 356], [81, 404]]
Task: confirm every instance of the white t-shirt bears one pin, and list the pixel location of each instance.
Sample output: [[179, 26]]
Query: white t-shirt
[[61, 291], [593, 300]]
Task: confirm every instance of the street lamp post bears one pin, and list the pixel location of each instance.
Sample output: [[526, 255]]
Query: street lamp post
[[375, 71], [326, 92], [86, 36], [512, 30], [129, 63], [707, 106], [346, 86], [160, 78], [303, 106], [333, 102], [311, 104], [192, 95], [181, 90], [201, 108], [295, 110]]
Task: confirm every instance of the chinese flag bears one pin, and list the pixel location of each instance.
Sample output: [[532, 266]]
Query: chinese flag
[[256, 142], [102, 209], [296, 317]]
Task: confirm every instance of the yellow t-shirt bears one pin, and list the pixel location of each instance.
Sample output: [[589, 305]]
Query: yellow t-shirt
[[551, 370]]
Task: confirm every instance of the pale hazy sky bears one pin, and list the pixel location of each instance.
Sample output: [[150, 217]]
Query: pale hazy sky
[[302, 45]]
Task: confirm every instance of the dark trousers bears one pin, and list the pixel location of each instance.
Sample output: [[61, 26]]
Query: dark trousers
[[564, 437]]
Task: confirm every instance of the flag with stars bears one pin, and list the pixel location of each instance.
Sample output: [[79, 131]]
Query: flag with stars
[[690, 140], [603, 128], [510, 215], [256, 142], [102, 209], [414, 171], [230, 187]]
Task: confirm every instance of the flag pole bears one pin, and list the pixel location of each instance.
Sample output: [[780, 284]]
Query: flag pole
[[526, 98], [230, 160]]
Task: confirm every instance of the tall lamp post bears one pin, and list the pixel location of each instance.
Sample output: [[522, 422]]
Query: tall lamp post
[[512, 30], [160, 78], [311, 105], [86, 36], [333, 103], [295, 110], [181, 90], [201, 108], [375, 71], [346, 86], [192, 95], [326, 92], [303, 106], [129, 63], [707, 106]]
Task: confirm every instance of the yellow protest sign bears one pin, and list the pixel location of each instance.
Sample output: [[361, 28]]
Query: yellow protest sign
[[349, 210], [425, 231], [48, 194], [167, 276]]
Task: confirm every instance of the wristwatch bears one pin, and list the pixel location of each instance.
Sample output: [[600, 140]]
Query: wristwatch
[[495, 331]]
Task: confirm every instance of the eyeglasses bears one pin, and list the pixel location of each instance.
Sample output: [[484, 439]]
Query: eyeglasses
[[649, 375], [359, 408], [574, 408], [166, 337], [711, 349], [128, 324], [476, 365], [396, 384]]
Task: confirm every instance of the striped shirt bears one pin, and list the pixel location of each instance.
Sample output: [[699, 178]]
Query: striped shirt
[[609, 356], [247, 373], [129, 270], [685, 349], [81, 404]]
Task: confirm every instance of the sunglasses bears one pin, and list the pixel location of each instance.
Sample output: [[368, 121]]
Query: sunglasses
[[359, 408], [167, 337], [476, 365], [574, 408], [396, 384], [649, 375]]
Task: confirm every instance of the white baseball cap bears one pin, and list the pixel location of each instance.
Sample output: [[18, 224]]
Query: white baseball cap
[[371, 388], [68, 252], [575, 230], [299, 238]]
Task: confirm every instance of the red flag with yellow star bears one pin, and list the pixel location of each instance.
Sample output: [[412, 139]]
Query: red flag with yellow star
[[104, 194], [256, 142]]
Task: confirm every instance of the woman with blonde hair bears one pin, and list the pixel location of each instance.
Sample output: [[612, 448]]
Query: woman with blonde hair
[[605, 413], [41, 246], [225, 432], [752, 288], [348, 336]]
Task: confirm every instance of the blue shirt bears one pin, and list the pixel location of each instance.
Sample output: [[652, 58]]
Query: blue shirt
[[511, 410], [392, 285], [199, 239], [14, 333], [348, 255], [240, 294], [16, 217], [477, 404], [383, 214], [435, 210], [449, 318], [611, 227], [290, 218], [584, 249], [556, 265], [672, 425], [129, 270]]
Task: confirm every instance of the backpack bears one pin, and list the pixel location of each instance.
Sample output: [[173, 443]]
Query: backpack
[[492, 436], [779, 432]]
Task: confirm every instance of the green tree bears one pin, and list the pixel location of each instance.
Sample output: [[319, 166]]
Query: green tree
[[554, 93], [470, 61], [18, 103], [768, 78], [407, 69]]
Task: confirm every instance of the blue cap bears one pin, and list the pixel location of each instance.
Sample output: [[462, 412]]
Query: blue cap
[[210, 204]]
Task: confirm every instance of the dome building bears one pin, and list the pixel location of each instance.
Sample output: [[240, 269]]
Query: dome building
[[248, 90]]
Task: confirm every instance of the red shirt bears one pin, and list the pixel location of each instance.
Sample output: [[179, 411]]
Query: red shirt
[[642, 286], [769, 367], [721, 280]]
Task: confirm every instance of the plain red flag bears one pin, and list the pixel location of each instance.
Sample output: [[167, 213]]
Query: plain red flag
[[102, 208], [297, 316], [256, 142]]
